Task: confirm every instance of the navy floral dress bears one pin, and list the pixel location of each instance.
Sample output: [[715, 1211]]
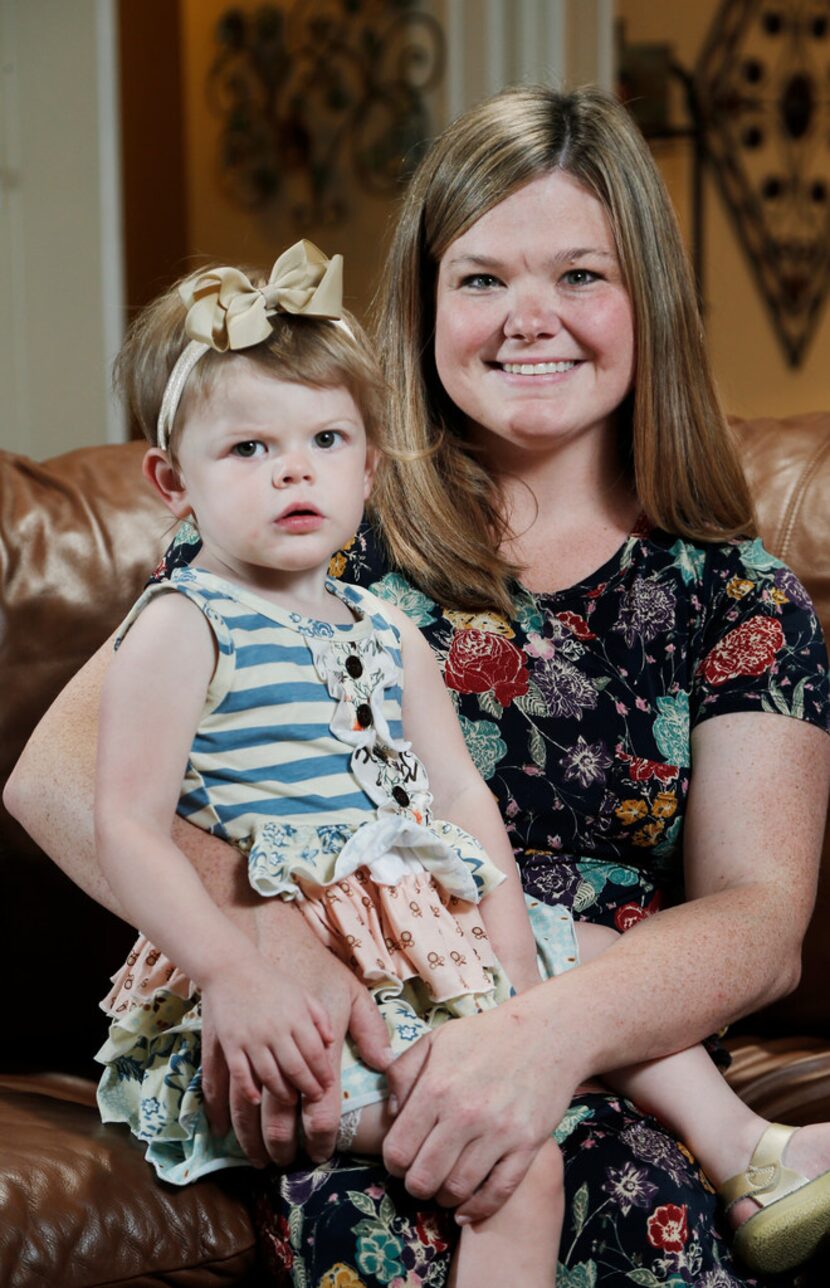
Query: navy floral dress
[[578, 712]]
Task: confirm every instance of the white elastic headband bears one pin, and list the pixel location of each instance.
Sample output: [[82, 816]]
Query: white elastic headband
[[174, 389]]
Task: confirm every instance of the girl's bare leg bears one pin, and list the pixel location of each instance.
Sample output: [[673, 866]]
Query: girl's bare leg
[[689, 1094], [520, 1243]]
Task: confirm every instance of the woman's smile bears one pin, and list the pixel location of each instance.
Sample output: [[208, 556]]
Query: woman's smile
[[530, 368]]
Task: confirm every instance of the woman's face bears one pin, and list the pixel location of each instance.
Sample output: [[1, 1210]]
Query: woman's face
[[534, 335]]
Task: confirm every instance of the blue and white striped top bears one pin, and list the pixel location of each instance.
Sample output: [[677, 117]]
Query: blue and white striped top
[[264, 746]]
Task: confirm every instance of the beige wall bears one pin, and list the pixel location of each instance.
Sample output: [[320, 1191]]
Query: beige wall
[[749, 363], [59, 225]]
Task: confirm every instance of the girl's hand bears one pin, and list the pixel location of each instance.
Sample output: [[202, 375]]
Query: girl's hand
[[273, 1034], [269, 1132], [478, 1098]]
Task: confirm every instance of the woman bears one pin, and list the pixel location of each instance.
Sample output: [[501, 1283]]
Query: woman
[[550, 390]]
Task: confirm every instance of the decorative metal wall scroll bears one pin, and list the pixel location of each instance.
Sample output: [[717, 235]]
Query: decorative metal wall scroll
[[310, 90], [763, 91]]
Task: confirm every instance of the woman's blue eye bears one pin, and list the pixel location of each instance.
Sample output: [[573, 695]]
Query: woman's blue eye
[[248, 449], [579, 277], [480, 281], [328, 438]]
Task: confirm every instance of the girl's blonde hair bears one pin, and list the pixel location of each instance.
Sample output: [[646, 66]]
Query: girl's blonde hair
[[438, 507], [302, 350]]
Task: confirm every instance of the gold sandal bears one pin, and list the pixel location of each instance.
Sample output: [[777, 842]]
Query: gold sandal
[[794, 1215]]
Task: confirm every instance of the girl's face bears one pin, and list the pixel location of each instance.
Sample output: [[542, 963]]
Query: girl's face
[[276, 475], [534, 333]]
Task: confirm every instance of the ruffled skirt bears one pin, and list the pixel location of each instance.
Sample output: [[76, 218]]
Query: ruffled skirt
[[422, 950]]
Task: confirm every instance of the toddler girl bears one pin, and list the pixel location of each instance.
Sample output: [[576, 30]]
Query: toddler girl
[[305, 721]]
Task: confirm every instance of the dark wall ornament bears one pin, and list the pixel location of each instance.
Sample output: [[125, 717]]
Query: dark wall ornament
[[310, 91], [762, 86]]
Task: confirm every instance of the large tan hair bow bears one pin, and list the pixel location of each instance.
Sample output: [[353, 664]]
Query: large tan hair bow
[[226, 311]]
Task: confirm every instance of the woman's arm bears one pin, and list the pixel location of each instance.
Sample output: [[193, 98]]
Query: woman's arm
[[461, 796], [51, 792], [753, 836], [51, 789]]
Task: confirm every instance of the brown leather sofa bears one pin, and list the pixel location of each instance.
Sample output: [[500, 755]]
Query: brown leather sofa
[[78, 1205]]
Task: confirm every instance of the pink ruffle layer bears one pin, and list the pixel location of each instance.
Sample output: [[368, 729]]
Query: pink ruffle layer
[[145, 970], [397, 932], [385, 934]]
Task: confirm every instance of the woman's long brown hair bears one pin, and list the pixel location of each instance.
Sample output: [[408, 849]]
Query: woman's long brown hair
[[437, 505]]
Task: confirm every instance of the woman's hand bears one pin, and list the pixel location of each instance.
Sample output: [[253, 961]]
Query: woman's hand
[[477, 1099]]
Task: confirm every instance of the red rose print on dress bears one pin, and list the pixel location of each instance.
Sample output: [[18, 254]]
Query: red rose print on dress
[[628, 914], [747, 650], [641, 770], [668, 1227], [278, 1244], [429, 1231], [576, 625], [479, 660]]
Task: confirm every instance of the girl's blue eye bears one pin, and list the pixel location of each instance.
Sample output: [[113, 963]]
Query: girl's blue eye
[[328, 438], [249, 449]]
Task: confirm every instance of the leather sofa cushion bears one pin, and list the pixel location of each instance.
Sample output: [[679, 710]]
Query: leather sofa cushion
[[79, 1196], [787, 464]]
